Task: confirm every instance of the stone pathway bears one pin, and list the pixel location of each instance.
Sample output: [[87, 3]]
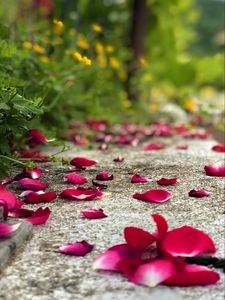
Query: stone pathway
[[38, 272]]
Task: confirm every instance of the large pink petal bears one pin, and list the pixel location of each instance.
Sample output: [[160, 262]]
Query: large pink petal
[[39, 197], [155, 146], [187, 241], [218, 148], [82, 162], [32, 184], [80, 195], [198, 193], [110, 260], [40, 216], [8, 197], [75, 178], [91, 213], [139, 179], [6, 229], [193, 275], [155, 196], [168, 181], [214, 170], [77, 249], [161, 224], [138, 238], [104, 176], [154, 273]]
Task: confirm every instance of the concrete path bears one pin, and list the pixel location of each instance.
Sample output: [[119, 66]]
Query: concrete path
[[38, 272]]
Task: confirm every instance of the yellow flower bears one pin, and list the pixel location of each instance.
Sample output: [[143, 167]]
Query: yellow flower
[[87, 61], [102, 60], [154, 106], [82, 42], [190, 105], [109, 48], [77, 55], [38, 49], [114, 63], [142, 61], [96, 27], [99, 48], [27, 45], [44, 58], [58, 26]]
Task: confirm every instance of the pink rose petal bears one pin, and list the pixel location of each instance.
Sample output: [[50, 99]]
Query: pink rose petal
[[21, 213], [139, 179], [39, 197], [36, 138], [219, 148], [40, 216], [75, 178], [6, 229], [155, 146], [82, 162], [187, 241], [198, 193], [168, 181], [91, 213], [9, 198], [77, 249], [32, 184], [103, 175], [154, 196], [138, 238], [162, 226], [81, 195], [214, 170]]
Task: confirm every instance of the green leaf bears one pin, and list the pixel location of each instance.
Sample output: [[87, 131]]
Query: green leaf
[[4, 32]]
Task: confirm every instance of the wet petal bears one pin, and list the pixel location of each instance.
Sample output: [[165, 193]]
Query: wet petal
[[168, 181], [6, 229], [187, 241], [80, 195], [91, 213], [154, 146], [215, 170], [155, 196], [218, 148], [82, 162], [198, 193], [154, 273], [77, 249], [32, 184], [75, 178], [40, 216], [139, 179], [103, 175], [138, 238], [193, 275]]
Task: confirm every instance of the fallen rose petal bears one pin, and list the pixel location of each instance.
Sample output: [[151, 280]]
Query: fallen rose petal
[[156, 146], [218, 148], [214, 170], [138, 238], [100, 186], [193, 275], [154, 196], [82, 162], [9, 198], [91, 213], [110, 260], [77, 249], [139, 179], [161, 224], [153, 273], [198, 193], [187, 241], [6, 229], [40, 216], [168, 181], [28, 154], [32, 184], [75, 178], [39, 197], [7, 181], [34, 173], [36, 138], [103, 175], [81, 194], [118, 159], [182, 146], [21, 213]]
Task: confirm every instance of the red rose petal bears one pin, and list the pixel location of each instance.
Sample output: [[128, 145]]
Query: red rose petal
[[187, 241], [139, 179], [214, 170], [161, 224], [218, 148], [75, 178], [153, 273], [36, 138], [193, 275], [39, 197], [154, 196], [103, 175], [77, 249], [155, 146], [93, 213], [168, 181], [9, 198], [6, 229], [82, 162], [138, 238], [198, 193], [80, 195], [21, 213], [40, 216], [32, 184]]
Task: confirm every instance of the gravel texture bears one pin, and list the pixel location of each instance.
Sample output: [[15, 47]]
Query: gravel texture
[[40, 273]]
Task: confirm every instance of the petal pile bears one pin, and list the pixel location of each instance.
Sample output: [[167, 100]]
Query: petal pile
[[154, 196]]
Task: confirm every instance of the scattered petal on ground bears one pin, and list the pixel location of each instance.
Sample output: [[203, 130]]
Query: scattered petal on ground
[[82, 162], [91, 213], [38, 197], [168, 181], [198, 193], [40, 216], [218, 148], [80, 195], [104, 176], [139, 179], [77, 249], [6, 229], [32, 184], [155, 196], [75, 178], [155, 146], [215, 170]]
